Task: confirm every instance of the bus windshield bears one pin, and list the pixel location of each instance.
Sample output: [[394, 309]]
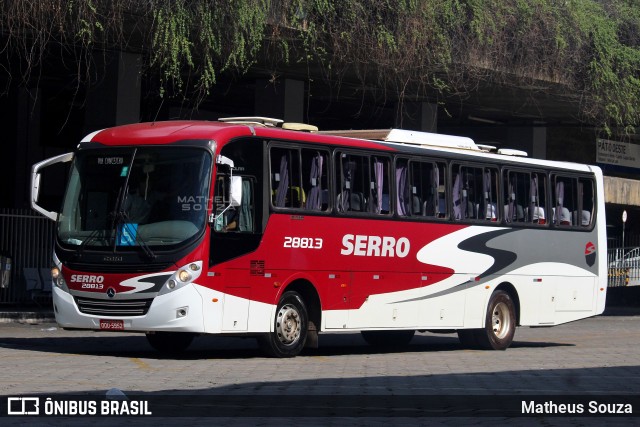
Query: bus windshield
[[127, 197]]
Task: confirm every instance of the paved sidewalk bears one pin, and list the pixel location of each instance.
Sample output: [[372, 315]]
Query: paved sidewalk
[[26, 315], [595, 357]]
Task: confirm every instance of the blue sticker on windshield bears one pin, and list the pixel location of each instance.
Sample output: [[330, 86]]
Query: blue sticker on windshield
[[127, 234], [124, 171]]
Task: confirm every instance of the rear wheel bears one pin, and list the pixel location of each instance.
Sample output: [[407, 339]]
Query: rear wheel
[[170, 342], [388, 338], [500, 323], [289, 329]]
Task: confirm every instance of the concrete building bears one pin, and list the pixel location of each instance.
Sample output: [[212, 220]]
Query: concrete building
[[50, 111]]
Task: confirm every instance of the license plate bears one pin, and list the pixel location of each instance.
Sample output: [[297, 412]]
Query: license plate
[[112, 325]]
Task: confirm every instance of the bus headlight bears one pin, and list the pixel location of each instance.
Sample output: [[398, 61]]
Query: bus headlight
[[58, 279], [184, 276]]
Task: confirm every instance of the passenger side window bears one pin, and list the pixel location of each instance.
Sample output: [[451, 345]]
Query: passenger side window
[[299, 178], [363, 183], [475, 193], [315, 179], [573, 200], [586, 195], [420, 188], [564, 199], [286, 187], [524, 197]]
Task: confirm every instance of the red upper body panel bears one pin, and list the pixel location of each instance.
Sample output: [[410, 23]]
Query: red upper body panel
[[158, 133]]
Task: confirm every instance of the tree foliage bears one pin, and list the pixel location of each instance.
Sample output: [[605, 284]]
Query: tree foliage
[[408, 48]]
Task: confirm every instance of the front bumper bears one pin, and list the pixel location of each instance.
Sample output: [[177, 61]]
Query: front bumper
[[166, 313]]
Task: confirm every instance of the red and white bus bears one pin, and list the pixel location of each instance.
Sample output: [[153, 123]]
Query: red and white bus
[[244, 227]]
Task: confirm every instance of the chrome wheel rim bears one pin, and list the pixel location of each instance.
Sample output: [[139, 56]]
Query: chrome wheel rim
[[501, 320], [288, 324]]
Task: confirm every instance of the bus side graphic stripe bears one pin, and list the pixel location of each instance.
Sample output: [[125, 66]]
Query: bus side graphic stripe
[[476, 244], [544, 247], [501, 258]]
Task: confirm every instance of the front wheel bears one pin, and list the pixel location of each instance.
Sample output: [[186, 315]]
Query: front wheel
[[170, 342], [289, 329], [500, 323]]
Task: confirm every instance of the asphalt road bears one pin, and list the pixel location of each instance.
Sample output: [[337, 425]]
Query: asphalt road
[[597, 357]]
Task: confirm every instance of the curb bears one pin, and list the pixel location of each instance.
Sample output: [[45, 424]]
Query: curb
[[33, 317]]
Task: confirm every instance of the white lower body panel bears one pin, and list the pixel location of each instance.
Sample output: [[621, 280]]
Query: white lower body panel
[[207, 311]]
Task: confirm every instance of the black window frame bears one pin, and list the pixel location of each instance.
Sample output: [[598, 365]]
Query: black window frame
[[341, 190], [528, 218], [296, 151], [443, 172], [496, 200], [577, 207]]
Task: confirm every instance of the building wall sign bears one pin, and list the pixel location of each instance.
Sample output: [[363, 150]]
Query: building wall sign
[[618, 153]]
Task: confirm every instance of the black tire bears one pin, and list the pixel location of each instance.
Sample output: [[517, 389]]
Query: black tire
[[170, 342], [500, 323], [388, 338], [468, 338], [290, 328]]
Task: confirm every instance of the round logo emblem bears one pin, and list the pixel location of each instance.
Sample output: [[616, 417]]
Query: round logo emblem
[[111, 292], [590, 254]]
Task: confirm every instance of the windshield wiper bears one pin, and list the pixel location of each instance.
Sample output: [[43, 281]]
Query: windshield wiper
[[90, 238], [115, 216]]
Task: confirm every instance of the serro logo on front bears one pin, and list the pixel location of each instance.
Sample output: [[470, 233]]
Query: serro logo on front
[[86, 278]]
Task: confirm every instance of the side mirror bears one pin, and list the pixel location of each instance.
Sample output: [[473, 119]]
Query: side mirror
[[35, 182], [236, 191]]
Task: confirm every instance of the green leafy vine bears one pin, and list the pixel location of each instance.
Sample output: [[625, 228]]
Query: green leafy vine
[[587, 48]]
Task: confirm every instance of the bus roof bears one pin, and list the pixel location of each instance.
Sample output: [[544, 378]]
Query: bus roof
[[167, 132]]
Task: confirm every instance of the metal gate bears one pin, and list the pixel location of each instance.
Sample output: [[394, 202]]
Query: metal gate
[[624, 262], [26, 248]]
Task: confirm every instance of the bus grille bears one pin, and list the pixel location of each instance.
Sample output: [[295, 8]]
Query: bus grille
[[117, 268], [118, 308]]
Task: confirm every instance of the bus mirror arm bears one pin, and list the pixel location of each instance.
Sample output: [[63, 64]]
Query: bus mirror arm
[[35, 182], [224, 160]]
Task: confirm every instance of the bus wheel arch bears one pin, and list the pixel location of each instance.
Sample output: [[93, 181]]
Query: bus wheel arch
[[294, 322], [513, 293], [312, 302]]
